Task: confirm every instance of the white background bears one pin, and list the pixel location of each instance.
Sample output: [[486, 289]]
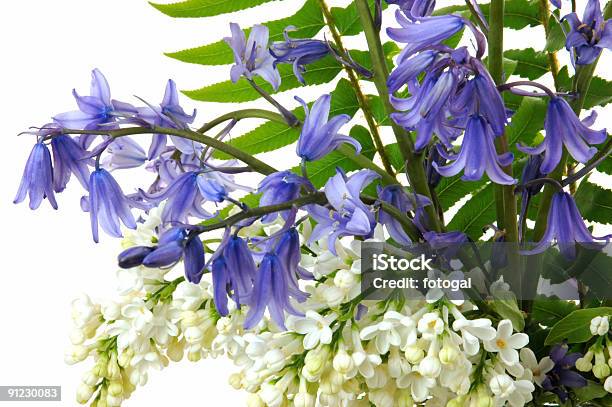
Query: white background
[[47, 256]]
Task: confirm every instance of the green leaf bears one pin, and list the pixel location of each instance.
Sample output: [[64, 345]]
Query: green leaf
[[556, 38], [272, 135], [205, 8], [591, 391], [504, 303], [518, 13], [364, 58], [319, 72], [321, 170], [530, 63], [475, 214], [606, 166], [575, 327], [451, 190], [596, 275], [395, 156], [308, 21], [594, 202], [347, 19], [549, 311], [526, 122], [600, 90]]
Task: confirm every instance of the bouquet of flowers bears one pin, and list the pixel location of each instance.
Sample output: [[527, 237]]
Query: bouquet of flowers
[[438, 142]]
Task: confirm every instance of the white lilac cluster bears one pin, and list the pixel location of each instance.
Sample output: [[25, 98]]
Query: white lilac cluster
[[343, 351]]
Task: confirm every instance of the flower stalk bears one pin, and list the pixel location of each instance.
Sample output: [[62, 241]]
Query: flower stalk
[[414, 162]]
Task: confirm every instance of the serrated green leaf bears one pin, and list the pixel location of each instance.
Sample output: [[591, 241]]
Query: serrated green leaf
[[575, 327], [600, 90], [504, 303], [272, 135], [478, 212], [364, 58], [322, 71], [518, 13], [308, 21], [321, 170], [451, 190], [530, 63], [395, 156], [594, 202], [527, 122], [555, 40], [549, 311], [205, 8], [606, 166], [347, 19]]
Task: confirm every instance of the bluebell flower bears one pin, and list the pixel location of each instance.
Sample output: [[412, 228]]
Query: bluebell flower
[[107, 205], [124, 153], [173, 244], [252, 57], [279, 187], [427, 109], [556, 3], [299, 52], [133, 256], [563, 375], [288, 249], [349, 215], [68, 158], [233, 273], [415, 8], [590, 36], [409, 69], [168, 114], [566, 226], [480, 96], [193, 257], [184, 198], [396, 196], [563, 127], [271, 291], [434, 156], [424, 33], [37, 179], [96, 110], [531, 171], [169, 249], [477, 156], [320, 133]]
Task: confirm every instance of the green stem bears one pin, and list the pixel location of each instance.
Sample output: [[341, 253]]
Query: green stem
[[404, 220], [317, 197], [414, 161], [361, 99], [254, 163], [365, 162], [243, 114], [504, 194]]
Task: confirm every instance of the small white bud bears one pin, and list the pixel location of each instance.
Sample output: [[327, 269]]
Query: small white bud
[[84, 393], [601, 370], [600, 326], [343, 363], [608, 384], [414, 354]]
